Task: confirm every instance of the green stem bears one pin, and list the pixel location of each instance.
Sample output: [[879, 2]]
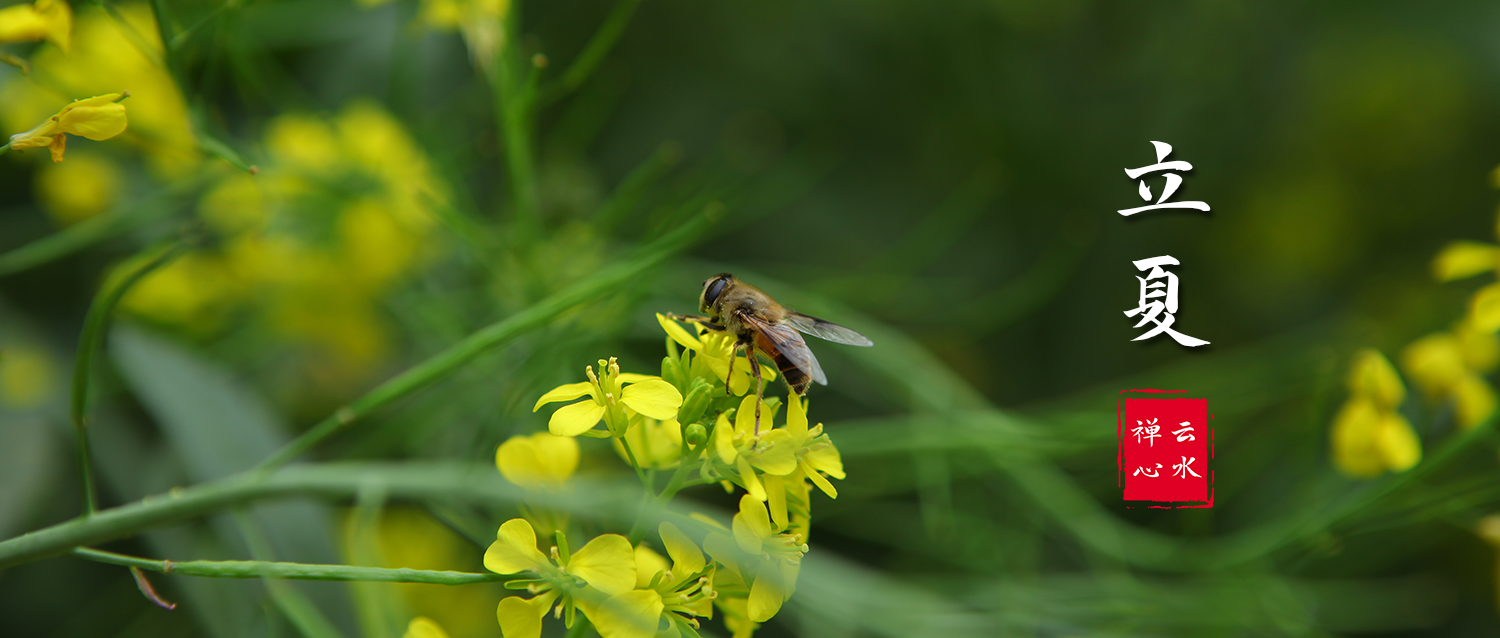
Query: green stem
[[580, 627], [95, 324], [495, 335], [5, 148], [512, 118], [289, 571], [593, 53], [637, 528], [635, 465]]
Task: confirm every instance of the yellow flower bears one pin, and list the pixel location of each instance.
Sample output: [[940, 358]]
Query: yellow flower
[[773, 464], [1369, 436], [424, 627], [1450, 366], [77, 190], [610, 400], [541, 460], [110, 49], [764, 559], [50, 20], [712, 360], [27, 376], [602, 569], [96, 118]]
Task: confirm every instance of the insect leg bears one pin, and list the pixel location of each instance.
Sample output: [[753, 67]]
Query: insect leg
[[702, 321], [760, 385], [733, 354]]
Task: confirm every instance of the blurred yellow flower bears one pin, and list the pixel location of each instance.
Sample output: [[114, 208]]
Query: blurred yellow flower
[[103, 58], [410, 538], [1369, 437], [78, 189], [96, 118], [424, 627], [50, 20], [609, 400], [1450, 366], [27, 376], [541, 460]]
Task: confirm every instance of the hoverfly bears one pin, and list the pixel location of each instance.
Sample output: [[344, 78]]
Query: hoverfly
[[759, 324]]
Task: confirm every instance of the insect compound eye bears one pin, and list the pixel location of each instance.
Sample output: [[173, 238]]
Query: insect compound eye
[[711, 294]]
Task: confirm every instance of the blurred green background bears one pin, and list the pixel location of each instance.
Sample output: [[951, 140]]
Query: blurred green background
[[942, 177]]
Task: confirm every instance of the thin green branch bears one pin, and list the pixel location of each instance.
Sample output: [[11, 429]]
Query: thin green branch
[[5, 148], [479, 484], [495, 335], [512, 116], [593, 53], [289, 571], [94, 325]]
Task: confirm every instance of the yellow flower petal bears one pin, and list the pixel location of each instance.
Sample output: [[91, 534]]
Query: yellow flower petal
[[1354, 431], [631, 377], [606, 563], [752, 482], [1481, 349], [775, 453], [424, 627], [539, 460], [566, 392], [575, 419], [514, 549], [752, 526], [654, 398], [1464, 259], [675, 331], [744, 417], [766, 595], [522, 618], [1398, 444], [1474, 401], [686, 557], [724, 439], [796, 417], [1484, 308], [821, 482], [647, 564], [776, 499], [97, 123], [631, 614], [1372, 377], [825, 458]]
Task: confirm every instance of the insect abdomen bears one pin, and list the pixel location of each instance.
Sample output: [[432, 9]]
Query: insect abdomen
[[795, 378]]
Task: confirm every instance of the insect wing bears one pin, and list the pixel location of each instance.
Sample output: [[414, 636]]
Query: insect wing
[[827, 330], [789, 344]]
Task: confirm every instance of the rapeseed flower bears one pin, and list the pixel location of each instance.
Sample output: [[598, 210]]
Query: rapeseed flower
[[96, 118], [599, 571], [610, 399], [761, 564], [108, 52], [1450, 366], [1369, 435]]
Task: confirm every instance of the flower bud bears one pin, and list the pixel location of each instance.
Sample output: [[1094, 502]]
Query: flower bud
[[695, 434], [696, 401]]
